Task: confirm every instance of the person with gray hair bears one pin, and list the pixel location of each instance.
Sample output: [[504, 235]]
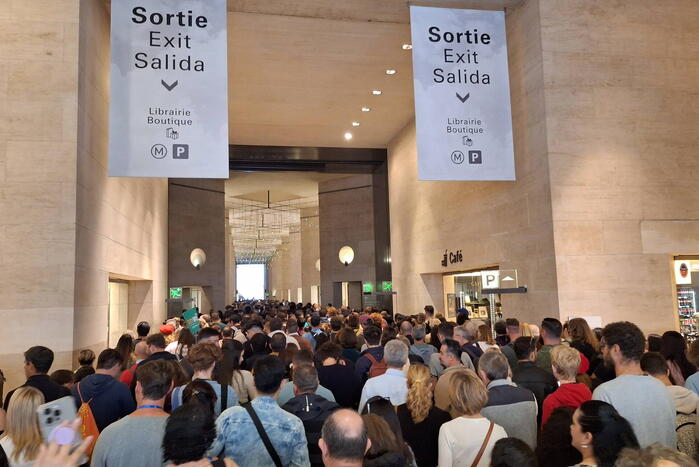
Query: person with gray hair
[[406, 329], [458, 334], [311, 408], [420, 348], [512, 407], [392, 384], [467, 337]]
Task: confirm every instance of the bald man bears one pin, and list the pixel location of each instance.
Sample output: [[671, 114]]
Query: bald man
[[140, 353], [344, 439]]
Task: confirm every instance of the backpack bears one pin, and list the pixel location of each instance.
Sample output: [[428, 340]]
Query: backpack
[[377, 367], [686, 442], [88, 425]]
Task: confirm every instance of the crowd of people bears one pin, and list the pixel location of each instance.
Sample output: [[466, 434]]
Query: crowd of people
[[283, 384]]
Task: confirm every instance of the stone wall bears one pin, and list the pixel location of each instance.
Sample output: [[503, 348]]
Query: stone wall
[[492, 223], [38, 141], [121, 223], [197, 219], [622, 113]]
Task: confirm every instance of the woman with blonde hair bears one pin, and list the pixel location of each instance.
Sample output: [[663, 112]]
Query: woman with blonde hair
[[22, 434], [468, 440], [525, 330], [419, 419]]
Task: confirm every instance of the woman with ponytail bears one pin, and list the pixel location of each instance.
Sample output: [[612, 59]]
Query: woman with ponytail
[[600, 433], [419, 419]]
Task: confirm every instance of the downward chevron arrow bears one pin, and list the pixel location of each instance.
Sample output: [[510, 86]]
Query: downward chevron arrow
[[463, 99], [170, 87]]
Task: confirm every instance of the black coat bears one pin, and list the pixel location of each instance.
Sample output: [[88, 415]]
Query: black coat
[[48, 388], [312, 409], [539, 381]]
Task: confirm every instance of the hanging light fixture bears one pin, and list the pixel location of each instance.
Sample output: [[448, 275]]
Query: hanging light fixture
[[346, 255]]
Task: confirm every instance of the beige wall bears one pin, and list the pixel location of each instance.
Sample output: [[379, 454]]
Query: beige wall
[[294, 264], [121, 222], [310, 251], [492, 223], [622, 117], [38, 140], [605, 99]]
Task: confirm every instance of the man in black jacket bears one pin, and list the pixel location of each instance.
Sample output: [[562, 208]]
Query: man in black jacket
[[37, 363], [527, 375], [311, 408]]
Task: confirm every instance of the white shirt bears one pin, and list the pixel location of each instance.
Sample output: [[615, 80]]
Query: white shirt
[[172, 348], [393, 385], [462, 438], [9, 447]]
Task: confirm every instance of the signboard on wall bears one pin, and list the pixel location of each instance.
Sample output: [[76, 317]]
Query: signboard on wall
[[168, 113], [462, 94], [683, 272]]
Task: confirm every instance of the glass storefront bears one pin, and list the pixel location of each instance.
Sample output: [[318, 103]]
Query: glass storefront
[[464, 290]]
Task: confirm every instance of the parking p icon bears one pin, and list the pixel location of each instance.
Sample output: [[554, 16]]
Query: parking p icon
[[475, 157]]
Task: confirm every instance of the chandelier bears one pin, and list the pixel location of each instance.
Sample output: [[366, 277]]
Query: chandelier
[[260, 228]]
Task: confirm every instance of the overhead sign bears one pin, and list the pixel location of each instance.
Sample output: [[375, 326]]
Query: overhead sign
[[462, 94], [168, 112]]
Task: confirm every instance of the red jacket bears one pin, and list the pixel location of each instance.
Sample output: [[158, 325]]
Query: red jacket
[[128, 374], [567, 395]]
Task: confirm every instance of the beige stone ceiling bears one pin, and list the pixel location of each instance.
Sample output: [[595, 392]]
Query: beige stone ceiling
[[301, 70], [283, 186]]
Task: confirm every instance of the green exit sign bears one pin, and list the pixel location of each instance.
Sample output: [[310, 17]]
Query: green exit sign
[[367, 287], [176, 292], [386, 286]]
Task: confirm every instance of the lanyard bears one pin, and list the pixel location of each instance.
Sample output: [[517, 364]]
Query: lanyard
[[150, 407]]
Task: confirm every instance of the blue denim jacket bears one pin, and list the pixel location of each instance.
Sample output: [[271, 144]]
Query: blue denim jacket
[[237, 436]]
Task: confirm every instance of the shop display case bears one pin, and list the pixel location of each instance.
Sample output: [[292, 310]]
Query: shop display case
[[687, 307]]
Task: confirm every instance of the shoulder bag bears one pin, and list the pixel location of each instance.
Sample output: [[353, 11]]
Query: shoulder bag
[[263, 435], [483, 446]]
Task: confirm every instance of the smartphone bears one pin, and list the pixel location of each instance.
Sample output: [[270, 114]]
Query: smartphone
[[52, 415]]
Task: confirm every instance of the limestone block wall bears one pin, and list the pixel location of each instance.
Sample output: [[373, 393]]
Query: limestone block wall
[[492, 223], [121, 223], [310, 251], [38, 140], [622, 112], [197, 219], [346, 218]]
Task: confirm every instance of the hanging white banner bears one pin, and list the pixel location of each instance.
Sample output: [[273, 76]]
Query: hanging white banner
[[168, 112], [462, 94]]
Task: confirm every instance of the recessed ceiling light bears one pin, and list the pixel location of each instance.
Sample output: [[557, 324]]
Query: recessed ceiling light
[[376, 92], [407, 46], [348, 136], [391, 71], [355, 123], [366, 109]]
